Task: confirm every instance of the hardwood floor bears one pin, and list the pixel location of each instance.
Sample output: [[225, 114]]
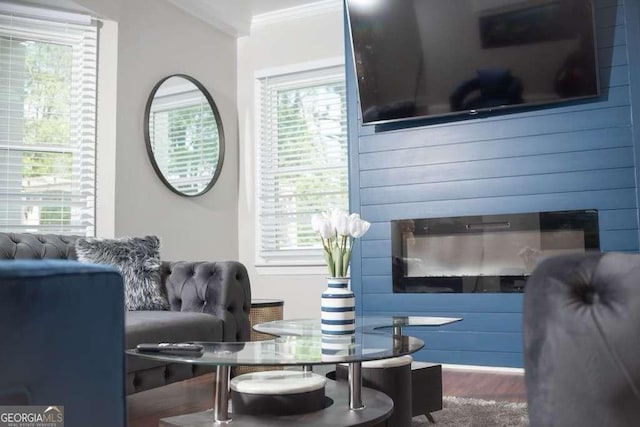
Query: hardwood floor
[[488, 386], [145, 409]]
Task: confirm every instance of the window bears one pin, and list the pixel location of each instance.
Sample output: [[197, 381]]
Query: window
[[47, 125], [302, 161]]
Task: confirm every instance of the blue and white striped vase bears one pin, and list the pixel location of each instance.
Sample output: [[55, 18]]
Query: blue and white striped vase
[[338, 308], [337, 347]]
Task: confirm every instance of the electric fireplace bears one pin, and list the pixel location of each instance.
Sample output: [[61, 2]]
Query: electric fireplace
[[488, 253]]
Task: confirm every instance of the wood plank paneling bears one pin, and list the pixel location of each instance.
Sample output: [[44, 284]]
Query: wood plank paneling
[[377, 284], [504, 149], [473, 322], [443, 303], [619, 240], [495, 168], [377, 249], [612, 56], [523, 125], [609, 15], [617, 37], [378, 231], [482, 358], [603, 179], [569, 156], [614, 76], [608, 3], [620, 219], [503, 342], [376, 266], [597, 199]]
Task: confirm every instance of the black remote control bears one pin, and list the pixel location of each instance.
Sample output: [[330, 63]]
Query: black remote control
[[171, 348]]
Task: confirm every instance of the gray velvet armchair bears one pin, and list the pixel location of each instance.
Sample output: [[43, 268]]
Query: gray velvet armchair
[[582, 341]]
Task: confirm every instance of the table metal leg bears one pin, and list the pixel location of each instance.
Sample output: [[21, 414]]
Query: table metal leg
[[307, 368], [397, 330], [221, 395], [355, 385]]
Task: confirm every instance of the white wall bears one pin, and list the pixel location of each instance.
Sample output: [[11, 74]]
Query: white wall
[[277, 45], [106, 130], [156, 39]]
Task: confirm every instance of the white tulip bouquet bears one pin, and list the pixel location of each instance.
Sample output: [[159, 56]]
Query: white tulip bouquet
[[338, 231]]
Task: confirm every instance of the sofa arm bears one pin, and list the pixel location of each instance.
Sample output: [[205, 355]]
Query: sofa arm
[[218, 288]]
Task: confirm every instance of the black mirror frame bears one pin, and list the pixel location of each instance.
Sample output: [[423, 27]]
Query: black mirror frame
[[218, 119]]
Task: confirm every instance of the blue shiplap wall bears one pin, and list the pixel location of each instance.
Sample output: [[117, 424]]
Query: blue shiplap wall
[[578, 156]]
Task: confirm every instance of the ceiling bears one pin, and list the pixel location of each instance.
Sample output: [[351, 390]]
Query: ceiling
[[259, 7], [235, 16], [231, 16]]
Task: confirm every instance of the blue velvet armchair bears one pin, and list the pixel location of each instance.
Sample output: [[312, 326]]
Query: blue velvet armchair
[[62, 340]]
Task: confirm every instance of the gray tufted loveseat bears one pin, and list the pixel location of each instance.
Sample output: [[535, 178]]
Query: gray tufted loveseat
[[209, 301]]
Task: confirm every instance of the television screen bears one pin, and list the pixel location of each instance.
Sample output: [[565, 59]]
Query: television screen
[[429, 58]]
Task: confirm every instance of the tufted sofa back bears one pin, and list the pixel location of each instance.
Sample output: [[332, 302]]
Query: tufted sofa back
[[37, 246], [218, 288]]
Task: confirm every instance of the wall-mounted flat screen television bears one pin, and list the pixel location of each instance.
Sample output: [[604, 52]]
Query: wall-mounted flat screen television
[[431, 58]]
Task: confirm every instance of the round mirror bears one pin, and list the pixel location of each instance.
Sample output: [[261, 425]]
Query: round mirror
[[184, 137]]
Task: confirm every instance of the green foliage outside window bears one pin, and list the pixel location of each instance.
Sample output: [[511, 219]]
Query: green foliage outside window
[[55, 215], [46, 123], [310, 144], [47, 98]]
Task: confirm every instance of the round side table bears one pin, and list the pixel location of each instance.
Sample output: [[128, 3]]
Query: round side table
[[262, 310]]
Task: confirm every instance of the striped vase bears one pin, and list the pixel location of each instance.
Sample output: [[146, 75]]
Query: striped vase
[[337, 347], [338, 308]]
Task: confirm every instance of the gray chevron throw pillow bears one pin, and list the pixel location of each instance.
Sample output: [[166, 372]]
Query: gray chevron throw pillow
[[138, 259]]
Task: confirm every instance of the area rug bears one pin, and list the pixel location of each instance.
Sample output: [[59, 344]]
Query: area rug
[[462, 412]]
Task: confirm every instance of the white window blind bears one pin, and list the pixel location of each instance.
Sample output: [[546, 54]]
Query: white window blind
[[47, 126], [302, 160]]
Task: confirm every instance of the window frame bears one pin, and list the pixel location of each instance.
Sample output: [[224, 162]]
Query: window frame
[[84, 42], [300, 261]]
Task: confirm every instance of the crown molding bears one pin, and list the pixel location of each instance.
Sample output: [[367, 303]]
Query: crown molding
[[302, 11]]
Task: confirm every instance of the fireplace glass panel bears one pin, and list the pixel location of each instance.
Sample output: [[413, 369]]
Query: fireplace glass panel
[[493, 253]]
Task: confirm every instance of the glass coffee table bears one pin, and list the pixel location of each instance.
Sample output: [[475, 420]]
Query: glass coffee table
[[347, 409], [352, 404]]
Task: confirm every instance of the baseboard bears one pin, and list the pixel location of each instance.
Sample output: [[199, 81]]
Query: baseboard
[[487, 369]]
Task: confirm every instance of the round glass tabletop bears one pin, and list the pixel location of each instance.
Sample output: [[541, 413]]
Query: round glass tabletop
[[291, 350], [372, 324]]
